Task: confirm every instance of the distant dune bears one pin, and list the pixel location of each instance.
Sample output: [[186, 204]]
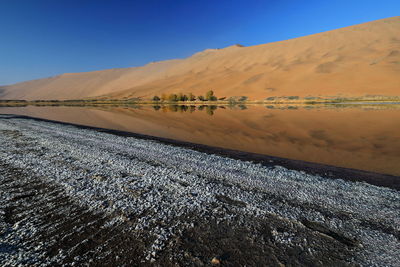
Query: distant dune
[[353, 61]]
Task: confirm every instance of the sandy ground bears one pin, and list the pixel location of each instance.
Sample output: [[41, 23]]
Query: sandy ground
[[353, 61], [77, 196]]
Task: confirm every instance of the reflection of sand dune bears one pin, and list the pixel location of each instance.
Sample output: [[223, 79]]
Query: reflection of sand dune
[[355, 138], [353, 61]]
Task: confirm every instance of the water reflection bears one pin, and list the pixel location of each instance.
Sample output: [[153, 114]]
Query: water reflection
[[208, 109], [366, 138]]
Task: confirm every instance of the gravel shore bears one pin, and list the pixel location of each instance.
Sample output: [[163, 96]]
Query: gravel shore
[[81, 197]]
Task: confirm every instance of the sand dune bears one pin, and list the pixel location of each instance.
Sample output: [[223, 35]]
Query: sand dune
[[353, 61]]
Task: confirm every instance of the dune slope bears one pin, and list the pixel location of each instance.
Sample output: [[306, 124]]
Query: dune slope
[[353, 61]]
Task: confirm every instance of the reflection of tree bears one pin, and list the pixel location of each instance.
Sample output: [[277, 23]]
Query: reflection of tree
[[183, 108], [173, 108], [210, 109], [240, 106], [176, 108]]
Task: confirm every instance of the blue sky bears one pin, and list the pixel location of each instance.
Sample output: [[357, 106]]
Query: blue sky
[[41, 38]]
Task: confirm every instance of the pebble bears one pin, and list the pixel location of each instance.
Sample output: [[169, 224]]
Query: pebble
[[125, 175]]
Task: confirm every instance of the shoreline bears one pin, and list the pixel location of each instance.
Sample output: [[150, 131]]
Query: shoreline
[[357, 101], [75, 196], [326, 171]]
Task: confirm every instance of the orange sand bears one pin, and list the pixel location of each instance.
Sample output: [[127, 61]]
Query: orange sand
[[353, 61]]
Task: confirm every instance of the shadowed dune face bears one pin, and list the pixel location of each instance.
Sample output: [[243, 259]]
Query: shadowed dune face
[[354, 61]]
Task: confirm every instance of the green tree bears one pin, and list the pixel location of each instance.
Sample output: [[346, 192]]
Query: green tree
[[209, 95], [173, 97], [156, 98], [191, 97]]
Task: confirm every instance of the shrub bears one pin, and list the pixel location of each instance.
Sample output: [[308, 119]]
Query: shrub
[[232, 100], [156, 98], [210, 96], [191, 97], [201, 98], [173, 97]]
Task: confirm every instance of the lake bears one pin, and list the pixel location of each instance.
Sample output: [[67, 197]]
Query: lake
[[352, 137]]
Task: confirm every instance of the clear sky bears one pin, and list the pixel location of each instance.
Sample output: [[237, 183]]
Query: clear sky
[[41, 38]]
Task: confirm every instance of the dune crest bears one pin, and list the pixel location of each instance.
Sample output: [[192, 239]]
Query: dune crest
[[354, 61]]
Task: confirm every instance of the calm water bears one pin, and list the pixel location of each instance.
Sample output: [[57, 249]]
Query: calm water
[[367, 139]]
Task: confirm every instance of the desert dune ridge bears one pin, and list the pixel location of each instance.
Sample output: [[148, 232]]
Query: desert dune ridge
[[354, 61]]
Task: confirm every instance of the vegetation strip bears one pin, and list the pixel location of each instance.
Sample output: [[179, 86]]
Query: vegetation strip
[[210, 99]]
